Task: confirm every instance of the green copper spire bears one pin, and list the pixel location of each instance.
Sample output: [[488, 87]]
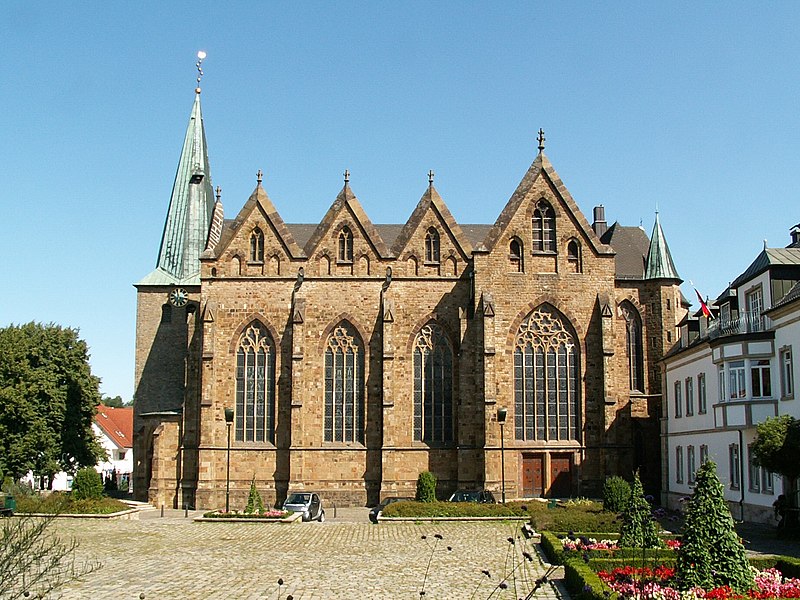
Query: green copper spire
[[659, 260], [190, 208]]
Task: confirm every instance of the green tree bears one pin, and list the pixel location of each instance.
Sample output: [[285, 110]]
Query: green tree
[[616, 494], [711, 554], [426, 487], [639, 529], [115, 402], [87, 484], [254, 502], [48, 398], [777, 447]]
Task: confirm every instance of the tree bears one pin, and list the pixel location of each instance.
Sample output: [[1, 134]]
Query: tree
[[639, 529], [711, 554], [777, 447], [48, 398], [35, 562], [115, 402], [426, 487]]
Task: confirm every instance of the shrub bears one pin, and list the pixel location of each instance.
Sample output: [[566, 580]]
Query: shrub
[[16, 489], [425, 510], [426, 487], [616, 494], [254, 502], [594, 520], [87, 485], [639, 529]]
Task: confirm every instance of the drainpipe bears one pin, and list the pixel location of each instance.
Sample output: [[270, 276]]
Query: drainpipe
[[741, 474]]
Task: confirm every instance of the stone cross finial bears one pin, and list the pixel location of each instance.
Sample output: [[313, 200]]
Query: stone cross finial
[[219, 192], [430, 177], [259, 176], [346, 176], [541, 139]]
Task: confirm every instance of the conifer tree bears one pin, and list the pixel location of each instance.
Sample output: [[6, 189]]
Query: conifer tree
[[711, 554], [639, 529], [254, 502]]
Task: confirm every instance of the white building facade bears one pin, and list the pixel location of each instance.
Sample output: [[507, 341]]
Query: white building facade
[[726, 375]]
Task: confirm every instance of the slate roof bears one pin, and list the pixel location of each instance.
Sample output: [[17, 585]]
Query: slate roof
[[630, 244], [117, 424], [767, 258]]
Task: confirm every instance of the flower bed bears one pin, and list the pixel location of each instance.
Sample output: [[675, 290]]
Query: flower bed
[[267, 515]]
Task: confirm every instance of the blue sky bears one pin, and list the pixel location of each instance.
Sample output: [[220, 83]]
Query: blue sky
[[688, 107]]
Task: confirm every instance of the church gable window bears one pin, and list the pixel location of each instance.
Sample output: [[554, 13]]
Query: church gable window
[[574, 257], [257, 245], [433, 386], [344, 385], [255, 386], [516, 256], [633, 346], [432, 246], [345, 245], [544, 227], [546, 394]]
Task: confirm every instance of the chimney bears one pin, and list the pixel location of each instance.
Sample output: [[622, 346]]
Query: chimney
[[600, 226], [795, 233]]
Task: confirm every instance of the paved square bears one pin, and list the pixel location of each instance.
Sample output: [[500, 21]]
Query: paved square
[[174, 557]]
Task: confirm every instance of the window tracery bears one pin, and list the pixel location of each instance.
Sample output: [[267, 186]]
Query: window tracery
[[255, 386], [433, 386], [344, 385]]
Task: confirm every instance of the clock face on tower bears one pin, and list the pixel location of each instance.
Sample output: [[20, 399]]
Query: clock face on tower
[[178, 297]]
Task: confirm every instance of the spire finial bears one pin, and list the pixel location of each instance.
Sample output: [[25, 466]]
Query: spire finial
[[430, 177], [218, 192], [259, 177], [346, 176], [200, 56], [541, 139]]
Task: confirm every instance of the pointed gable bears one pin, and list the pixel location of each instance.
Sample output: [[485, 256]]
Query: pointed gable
[[259, 202], [346, 203], [659, 259], [541, 168], [189, 214], [431, 203]]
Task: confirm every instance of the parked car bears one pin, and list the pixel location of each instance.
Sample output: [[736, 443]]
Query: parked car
[[373, 514], [481, 496], [307, 503]]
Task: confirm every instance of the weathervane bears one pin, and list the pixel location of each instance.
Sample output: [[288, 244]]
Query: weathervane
[[200, 56], [430, 177], [541, 139]]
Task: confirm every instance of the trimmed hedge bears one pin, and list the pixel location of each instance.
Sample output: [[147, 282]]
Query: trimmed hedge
[[454, 509], [57, 503], [553, 549], [583, 583], [575, 519]]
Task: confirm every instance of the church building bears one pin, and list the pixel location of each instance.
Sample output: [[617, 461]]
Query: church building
[[346, 357]]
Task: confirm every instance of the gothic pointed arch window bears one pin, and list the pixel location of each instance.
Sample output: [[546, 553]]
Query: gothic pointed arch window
[[433, 386], [345, 245], [432, 246], [574, 257], [544, 227], [257, 245], [344, 386], [546, 367], [255, 386], [515, 255], [633, 345]]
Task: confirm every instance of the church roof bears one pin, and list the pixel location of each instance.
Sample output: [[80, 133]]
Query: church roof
[[189, 214], [659, 259], [630, 244]]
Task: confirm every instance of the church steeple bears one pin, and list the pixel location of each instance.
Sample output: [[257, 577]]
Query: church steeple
[[190, 208], [659, 260]]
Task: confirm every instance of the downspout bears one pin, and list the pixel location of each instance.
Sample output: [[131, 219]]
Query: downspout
[[741, 475]]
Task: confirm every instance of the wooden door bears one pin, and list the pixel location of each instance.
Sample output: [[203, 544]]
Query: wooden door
[[560, 476], [532, 475]]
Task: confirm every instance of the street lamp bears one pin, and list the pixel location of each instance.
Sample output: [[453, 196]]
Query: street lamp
[[228, 423], [502, 413]]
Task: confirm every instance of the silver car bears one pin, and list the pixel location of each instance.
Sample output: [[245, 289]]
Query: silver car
[[306, 503]]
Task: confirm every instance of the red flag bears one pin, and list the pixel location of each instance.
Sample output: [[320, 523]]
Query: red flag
[[703, 306]]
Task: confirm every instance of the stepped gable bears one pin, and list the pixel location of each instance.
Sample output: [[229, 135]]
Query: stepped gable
[[260, 200], [541, 167], [431, 201], [347, 202]]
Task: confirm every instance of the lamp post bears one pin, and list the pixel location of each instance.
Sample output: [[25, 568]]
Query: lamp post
[[228, 423], [502, 413]]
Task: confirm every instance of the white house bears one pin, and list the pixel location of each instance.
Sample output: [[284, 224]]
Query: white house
[[726, 374]]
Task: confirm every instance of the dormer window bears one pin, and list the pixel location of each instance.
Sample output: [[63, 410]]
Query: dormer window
[[345, 245], [544, 227], [515, 255], [432, 246], [257, 245]]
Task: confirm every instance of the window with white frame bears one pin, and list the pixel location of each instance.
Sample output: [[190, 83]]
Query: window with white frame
[[753, 471], [787, 372], [678, 406], [760, 378], [721, 372], [689, 396], [690, 464], [737, 388], [702, 406], [734, 466], [678, 464], [767, 486], [754, 301], [703, 454]]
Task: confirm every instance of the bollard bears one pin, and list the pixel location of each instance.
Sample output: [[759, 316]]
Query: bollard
[[185, 511], [334, 510], [162, 511]]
